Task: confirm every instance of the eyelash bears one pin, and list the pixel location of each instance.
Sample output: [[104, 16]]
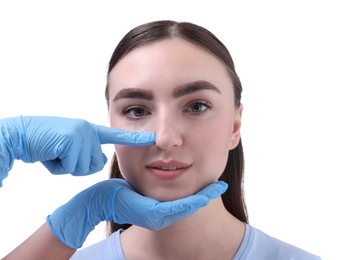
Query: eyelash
[[130, 109], [200, 103]]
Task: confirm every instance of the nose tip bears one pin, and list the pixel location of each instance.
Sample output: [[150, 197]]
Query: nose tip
[[168, 137]]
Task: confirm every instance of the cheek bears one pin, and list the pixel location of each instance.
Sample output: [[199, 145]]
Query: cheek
[[131, 164], [214, 150], [126, 164]]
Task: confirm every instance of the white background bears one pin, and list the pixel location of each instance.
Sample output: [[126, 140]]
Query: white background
[[53, 60]]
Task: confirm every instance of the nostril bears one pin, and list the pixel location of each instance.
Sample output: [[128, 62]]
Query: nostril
[[168, 140]]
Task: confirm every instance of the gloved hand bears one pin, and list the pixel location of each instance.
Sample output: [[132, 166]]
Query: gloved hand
[[63, 145], [116, 200]]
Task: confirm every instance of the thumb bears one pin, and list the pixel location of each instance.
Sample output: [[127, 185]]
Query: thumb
[[214, 190], [108, 135], [184, 207]]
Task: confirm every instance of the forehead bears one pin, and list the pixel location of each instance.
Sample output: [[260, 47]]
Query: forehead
[[173, 61]]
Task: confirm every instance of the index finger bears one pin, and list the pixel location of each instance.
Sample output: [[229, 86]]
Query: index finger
[[108, 135]]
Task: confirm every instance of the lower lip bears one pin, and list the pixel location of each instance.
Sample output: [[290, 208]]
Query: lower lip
[[167, 175]]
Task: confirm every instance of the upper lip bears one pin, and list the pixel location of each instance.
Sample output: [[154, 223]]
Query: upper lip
[[171, 165]]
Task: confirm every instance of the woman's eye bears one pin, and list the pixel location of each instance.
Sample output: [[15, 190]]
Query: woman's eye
[[135, 112], [198, 107]]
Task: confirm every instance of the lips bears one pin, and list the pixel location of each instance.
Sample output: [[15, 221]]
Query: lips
[[167, 170]]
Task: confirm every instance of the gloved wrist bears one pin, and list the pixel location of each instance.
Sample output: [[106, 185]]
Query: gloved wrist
[[72, 222]]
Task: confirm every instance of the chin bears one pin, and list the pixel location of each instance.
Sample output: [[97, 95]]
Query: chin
[[167, 192], [166, 195], [168, 198]]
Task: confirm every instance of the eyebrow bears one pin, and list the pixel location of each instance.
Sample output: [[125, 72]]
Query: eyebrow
[[194, 87], [179, 91], [133, 93]]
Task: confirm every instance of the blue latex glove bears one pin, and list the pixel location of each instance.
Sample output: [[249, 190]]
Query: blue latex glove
[[63, 145], [116, 200]]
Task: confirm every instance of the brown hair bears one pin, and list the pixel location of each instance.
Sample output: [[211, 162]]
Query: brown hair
[[233, 198]]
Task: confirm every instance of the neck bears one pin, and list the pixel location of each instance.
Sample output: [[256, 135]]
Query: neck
[[210, 233]]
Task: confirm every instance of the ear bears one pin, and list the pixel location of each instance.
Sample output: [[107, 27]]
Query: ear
[[236, 128]]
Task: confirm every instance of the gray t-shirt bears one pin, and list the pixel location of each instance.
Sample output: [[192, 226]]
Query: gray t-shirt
[[255, 245]]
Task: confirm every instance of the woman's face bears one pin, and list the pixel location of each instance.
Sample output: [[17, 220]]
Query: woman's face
[[184, 94]]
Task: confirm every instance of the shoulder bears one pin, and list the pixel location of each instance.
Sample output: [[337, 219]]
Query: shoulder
[[109, 248], [258, 245]]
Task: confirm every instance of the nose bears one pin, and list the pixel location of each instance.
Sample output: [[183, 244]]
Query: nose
[[168, 133]]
